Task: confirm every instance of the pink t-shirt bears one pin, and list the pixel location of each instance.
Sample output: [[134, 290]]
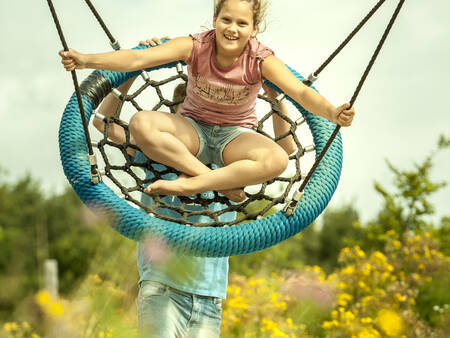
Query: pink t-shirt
[[223, 96]]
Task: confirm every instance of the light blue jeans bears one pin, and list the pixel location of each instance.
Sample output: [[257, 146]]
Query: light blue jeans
[[164, 312]]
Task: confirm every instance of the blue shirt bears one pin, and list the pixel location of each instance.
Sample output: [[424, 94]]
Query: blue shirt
[[204, 276]]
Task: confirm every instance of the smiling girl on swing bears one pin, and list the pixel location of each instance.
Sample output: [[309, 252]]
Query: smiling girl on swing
[[226, 68]]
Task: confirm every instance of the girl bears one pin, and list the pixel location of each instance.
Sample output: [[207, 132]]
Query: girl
[[225, 70]]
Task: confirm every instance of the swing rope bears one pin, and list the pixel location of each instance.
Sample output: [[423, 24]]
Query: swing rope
[[290, 207], [95, 176]]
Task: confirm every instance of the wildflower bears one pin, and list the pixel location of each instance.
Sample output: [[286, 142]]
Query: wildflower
[[362, 285], [43, 297], [290, 323], [368, 332], [56, 309], [348, 270], [399, 297], [349, 316], [378, 257], [390, 322], [397, 244], [366, 320]]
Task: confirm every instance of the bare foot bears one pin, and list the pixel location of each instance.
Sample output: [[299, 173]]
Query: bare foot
[[165, 187], [177, 187], [235, 195]]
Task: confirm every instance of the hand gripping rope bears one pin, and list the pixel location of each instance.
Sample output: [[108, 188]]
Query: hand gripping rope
[[134, 223]]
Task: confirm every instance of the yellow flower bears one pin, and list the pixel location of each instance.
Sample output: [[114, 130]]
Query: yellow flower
[[348, 270], [390, 233], [56, 309], [34, 335], [342, 285], [368, 332], [359, 252], [390, 322], [399, 297], [330, 324], [43, 297], [276, 332], [367, 269], [362, 285], [397, 244], [416, 276], [334, 314], [7, 327], [349, 316], [366, 320], [290, 323], [366, 300], [378, 257]]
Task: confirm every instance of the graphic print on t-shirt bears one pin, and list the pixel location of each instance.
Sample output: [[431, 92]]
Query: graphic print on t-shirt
[[220, 93]]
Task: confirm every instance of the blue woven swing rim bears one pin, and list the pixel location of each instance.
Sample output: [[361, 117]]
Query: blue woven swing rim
[[135, 224]]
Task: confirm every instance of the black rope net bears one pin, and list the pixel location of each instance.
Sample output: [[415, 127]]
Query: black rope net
[[127, 177]]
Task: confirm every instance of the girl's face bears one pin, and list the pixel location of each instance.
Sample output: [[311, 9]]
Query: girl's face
[[234, 27]]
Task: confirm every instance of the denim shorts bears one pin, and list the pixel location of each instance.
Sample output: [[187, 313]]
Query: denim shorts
[[164, 312], [213, 140]]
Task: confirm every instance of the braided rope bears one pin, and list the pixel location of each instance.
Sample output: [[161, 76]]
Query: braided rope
[[208, 241]]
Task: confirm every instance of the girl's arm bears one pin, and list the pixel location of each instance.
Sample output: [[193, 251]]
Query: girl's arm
[[274, 70], [129, 60], [107, 108]]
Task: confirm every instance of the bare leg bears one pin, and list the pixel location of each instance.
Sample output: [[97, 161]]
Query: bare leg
[[251, 159], [172, 140]]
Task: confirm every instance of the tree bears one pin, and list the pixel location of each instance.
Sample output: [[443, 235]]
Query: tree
[[408, 206]]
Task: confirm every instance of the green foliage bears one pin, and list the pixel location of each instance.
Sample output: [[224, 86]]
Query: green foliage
[[311, 246], [407, 208], [434, 299], [34, 227]]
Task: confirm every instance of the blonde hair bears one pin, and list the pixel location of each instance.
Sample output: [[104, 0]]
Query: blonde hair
[[259, 11]]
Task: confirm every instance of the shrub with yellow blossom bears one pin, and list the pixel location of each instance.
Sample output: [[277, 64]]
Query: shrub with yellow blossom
[[377, 292], [276, 306]]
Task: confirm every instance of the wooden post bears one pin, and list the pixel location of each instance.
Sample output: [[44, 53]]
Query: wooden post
[[51, 277]]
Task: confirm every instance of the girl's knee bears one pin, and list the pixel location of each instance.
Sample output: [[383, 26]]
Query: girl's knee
[[276, 163], [141, 124]]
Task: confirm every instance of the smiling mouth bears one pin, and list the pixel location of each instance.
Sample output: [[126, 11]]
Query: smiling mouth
[[230, 38]]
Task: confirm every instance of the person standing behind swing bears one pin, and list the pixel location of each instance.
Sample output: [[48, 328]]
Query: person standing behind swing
[[188, 304], [225, 70]]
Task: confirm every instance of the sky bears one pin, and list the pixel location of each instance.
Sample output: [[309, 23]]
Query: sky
[[401, 110]]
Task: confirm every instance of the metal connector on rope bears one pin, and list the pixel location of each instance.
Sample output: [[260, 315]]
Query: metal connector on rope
[[117, 93], [96, 177], [280, 97], [99, 117], [179, 67], [290, 207], [145, 76], [115, 44], [312, 78], [300, 121]]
